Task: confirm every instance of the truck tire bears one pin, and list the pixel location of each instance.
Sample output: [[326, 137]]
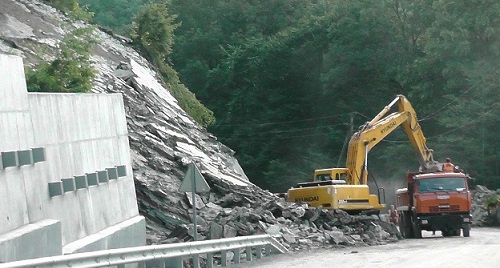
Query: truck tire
[[466, 231], [405, 225], [401, 225], [417, 232]]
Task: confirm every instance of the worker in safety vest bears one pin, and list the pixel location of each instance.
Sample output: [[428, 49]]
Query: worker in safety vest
[[448, 166], [392, 215]]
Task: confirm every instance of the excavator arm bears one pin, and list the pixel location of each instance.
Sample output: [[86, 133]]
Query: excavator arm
[[376, 130]]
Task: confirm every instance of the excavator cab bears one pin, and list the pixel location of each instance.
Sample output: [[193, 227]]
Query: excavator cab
[[328, 176], [331, 174]]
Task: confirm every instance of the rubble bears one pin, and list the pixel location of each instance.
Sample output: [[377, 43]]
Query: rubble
[[240, 211], [481, 215]]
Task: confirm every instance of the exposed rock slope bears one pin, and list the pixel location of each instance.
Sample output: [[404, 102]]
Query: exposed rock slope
[[163, 138]]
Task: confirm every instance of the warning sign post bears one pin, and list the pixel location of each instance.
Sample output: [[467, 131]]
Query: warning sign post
[[195, 183]]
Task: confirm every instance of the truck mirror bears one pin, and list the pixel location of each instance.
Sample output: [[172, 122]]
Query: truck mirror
[[471, 183]]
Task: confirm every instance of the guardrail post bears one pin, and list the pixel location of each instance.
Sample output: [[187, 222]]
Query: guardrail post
[[236, 257], [173, 263], [268, 249], [196, 261], [258, 250], [210, 260], [223, 258], [248, 251], [156, 263]]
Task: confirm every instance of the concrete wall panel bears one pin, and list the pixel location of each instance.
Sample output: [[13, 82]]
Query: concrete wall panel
[[16, 212], [66, 157], [10, 133], [64, 125], [13, 86], [71, 228], [6, 132], [119, 116], [77, 134], [78, 155], [24, 127], [88, 163], [118, 236], [86, 212], [36, 190], [43, 238]]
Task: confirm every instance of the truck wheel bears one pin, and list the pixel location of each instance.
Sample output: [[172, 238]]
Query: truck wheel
[[405, 226], [417, 232], [466, 231], [402, 228]]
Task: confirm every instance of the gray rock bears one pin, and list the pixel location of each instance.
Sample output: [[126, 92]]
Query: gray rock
[[356, 237], [273, 230], [299, 211], [229, 231], [337, 237], [290, 239], [215, 231]]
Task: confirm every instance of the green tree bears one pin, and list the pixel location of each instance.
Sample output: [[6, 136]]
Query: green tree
[[114, 14], [284, 78], [153, 33], [463, 43], [64, 5], [210, 28], [266, 116], [72, 8], [71, 71], [451, 75]]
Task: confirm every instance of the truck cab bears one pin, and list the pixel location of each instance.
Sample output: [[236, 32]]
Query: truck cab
[[438, 201]]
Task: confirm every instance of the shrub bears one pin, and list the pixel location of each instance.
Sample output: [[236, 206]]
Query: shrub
[[71, 71], [153, 33]]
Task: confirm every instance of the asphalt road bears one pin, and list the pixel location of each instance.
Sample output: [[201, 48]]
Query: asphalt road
[[481, 249]]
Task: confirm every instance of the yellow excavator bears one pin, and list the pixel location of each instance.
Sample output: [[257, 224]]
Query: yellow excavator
[[347, 188]]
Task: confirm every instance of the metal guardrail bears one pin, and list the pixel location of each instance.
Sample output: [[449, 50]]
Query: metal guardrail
[[167, 255]]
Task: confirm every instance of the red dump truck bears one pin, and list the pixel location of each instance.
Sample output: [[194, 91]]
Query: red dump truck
[[437, 201]]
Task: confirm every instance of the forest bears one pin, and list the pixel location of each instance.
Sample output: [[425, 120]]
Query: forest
[[284, 83]]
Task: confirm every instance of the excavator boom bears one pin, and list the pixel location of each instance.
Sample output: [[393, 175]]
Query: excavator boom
[[377, 129]]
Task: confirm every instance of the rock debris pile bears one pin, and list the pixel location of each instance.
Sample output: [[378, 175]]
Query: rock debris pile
[[230, 211], [481, 214]]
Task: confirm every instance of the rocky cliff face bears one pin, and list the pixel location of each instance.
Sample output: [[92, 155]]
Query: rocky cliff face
[[163, 138]]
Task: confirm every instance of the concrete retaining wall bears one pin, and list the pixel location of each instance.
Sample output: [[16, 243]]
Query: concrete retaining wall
[[64, 158]]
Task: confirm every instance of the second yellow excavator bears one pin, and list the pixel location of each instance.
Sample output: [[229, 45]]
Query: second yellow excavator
[[347, 188]]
